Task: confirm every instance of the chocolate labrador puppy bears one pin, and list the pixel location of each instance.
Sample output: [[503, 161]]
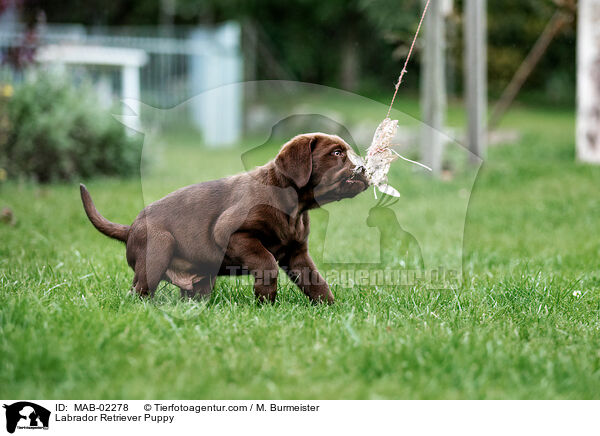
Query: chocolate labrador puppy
[[251, 223]]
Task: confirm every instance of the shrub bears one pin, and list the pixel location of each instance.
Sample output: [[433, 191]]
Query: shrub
[[53, 130]]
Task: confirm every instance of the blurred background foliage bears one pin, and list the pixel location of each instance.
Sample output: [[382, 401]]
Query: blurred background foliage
[[54, 130], [355, 44]]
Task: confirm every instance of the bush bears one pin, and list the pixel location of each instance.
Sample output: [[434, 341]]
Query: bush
[[53, 130]]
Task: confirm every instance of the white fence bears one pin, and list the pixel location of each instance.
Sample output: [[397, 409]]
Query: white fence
[[176, 67]]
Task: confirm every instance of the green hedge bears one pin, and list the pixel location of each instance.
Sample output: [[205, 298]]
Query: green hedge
[[53, 130]]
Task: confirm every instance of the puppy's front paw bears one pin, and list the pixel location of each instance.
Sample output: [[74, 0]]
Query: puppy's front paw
[[323, 298]]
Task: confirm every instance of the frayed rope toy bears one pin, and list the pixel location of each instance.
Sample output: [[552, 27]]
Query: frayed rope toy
[[380, 155]]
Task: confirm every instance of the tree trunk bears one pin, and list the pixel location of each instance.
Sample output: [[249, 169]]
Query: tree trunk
[[588, 81], [433, 88], [475, 76], [350, 62]]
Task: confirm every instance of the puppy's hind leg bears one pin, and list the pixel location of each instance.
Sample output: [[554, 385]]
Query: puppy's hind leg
[[201, 288], [152, 262], [132, 290]]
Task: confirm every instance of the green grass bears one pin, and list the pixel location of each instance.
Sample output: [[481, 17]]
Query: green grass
[[514, 329]]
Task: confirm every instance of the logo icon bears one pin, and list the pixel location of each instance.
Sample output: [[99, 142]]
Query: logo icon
[[26, 415]]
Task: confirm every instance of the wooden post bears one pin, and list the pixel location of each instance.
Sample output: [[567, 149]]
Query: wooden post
[[476, 76], [588, 81], [554, 26], [433, 87]]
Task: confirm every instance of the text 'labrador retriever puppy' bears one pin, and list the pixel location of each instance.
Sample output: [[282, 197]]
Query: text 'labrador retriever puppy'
[[251, 223]]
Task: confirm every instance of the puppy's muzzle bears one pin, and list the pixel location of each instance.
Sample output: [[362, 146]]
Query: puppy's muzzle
[[357, 180]]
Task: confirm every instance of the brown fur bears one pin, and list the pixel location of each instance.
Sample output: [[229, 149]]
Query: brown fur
[[251, 223]]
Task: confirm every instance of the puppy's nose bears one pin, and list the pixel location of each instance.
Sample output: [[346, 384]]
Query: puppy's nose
[[360, 175]]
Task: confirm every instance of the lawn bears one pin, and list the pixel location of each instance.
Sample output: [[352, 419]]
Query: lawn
[[523, 324]]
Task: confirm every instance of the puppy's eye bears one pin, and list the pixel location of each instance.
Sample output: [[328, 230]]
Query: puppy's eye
[[337, 153]]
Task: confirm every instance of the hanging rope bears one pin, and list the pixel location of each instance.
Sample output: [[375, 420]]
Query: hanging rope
[[407, 58], [380, 154]]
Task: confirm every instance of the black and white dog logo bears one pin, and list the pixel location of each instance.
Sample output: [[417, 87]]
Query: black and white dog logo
[[26, 415]]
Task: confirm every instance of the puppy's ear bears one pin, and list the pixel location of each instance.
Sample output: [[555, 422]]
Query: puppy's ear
[[295, 159]]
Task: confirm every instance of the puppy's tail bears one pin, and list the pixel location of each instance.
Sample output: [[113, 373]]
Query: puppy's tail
[[114, 230]]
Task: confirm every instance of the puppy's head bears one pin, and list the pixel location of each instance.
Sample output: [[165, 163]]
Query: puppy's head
[[319, 163]]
